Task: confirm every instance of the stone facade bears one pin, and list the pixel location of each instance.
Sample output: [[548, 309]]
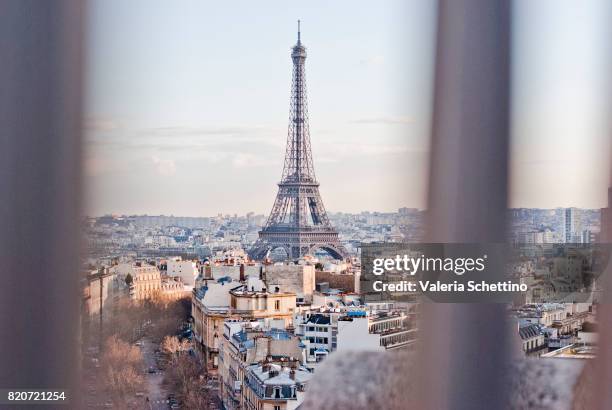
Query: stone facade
[[298, 279], [217, 301], [342, 281], [146, 282]]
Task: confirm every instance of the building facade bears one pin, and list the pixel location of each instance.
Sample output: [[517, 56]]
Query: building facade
[[223, 299], [184, 269], [245, 344], [146, 282]]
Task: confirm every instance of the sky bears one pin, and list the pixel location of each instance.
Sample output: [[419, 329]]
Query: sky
[[187, 104], [561, 86]]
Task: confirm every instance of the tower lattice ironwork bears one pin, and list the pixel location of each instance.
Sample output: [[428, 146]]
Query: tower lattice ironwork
[[298, 222]]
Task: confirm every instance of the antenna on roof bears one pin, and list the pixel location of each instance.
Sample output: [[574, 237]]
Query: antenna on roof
[[299, 42]]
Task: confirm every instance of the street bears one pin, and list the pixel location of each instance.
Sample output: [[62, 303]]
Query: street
[[155, 390]]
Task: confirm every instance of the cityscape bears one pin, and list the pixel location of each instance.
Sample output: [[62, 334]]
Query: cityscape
[[305, 309], [239, 311], [306, 205]]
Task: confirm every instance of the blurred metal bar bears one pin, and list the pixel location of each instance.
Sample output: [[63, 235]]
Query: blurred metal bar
[[597, 377], [40, 130], [462, 360], [598, 396], [602, 397]]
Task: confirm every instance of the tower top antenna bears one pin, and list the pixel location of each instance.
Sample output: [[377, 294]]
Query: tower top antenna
[[299, 42]]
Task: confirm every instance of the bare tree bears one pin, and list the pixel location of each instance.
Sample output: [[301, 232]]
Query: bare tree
[[121, 370], [173, 346], [184, 376], [156, 317], [166, 316], [195, 396]]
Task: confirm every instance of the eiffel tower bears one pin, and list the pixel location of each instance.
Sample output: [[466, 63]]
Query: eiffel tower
[[298, 222]]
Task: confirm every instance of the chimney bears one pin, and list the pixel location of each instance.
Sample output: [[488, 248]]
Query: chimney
[[242, 278]]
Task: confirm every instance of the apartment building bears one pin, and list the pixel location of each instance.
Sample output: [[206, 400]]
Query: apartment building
[[185, 269], [353, 329], [532, 338], [249, 343], [276, 384], [219, 300], [146, 282]]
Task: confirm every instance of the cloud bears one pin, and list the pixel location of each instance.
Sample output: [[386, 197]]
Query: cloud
[[385, 120], [165, 167], [352, 150], [190, 138], [203, 131], [169, 131]]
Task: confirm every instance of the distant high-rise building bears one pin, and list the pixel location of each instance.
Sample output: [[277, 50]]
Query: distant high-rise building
[[588, 236], [572, 226]]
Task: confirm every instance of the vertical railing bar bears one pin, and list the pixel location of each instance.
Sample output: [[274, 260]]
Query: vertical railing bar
[[40, 132], [463, 351]]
